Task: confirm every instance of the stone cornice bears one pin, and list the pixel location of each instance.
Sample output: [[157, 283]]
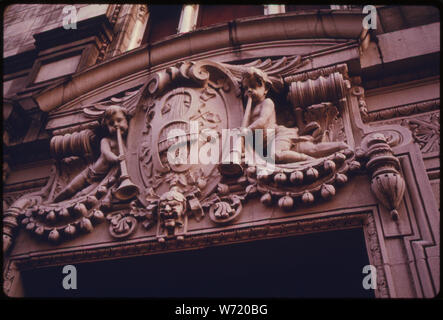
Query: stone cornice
[[307, 25], [402, 111], [145, 246]]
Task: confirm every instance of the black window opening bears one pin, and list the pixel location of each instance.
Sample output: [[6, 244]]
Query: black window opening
[[162, 22], [291, 7], [214, 14], [164, 19], [320, 265]]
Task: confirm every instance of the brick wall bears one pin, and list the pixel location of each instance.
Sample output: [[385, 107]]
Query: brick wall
[[22, 21]]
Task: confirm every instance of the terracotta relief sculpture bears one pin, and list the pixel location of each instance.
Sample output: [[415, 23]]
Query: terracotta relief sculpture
[[387, 184], [309, 163], [114, 120], [289, 145], [171, 209], [67, 209], [117, 171]]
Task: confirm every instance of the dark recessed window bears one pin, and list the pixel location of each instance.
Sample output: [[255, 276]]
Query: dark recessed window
[[319, 265], [163, 21], [209, 15], [305, 7]]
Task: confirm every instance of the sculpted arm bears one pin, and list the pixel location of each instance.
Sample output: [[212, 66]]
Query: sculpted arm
[[105, 149], [265, 120]]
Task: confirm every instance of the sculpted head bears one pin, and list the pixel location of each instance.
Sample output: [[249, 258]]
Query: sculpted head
[[256, 84], [172, 204], [115, 117]]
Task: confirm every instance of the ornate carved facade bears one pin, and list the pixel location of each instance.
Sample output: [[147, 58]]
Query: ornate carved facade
[[111, 191]]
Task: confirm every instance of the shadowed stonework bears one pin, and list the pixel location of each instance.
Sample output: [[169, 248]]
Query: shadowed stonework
[[99, 98], [321, 265]]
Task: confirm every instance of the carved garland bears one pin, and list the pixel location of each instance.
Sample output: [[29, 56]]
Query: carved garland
[[286, 186]]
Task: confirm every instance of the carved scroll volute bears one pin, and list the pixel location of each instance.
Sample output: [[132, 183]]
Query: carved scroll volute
[[387, 184], [72, 144], [332, 87]]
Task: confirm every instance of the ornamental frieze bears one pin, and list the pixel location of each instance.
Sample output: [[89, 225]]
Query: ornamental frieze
[[115, 169]]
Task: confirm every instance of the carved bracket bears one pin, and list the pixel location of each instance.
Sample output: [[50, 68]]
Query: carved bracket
[[387, 184]]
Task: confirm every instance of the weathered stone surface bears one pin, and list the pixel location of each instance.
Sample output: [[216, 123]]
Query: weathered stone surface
[[349, 160]]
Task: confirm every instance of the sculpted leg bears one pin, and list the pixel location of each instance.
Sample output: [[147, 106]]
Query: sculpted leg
[[78, 183], [322, 149], [289, 156]]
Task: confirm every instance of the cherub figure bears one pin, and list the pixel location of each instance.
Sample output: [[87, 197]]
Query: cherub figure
[[289, 145], [114, 117]]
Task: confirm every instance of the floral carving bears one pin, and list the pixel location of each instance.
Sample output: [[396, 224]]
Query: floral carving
[[121, 224], [375, 255], [225, 209], [426, 131]]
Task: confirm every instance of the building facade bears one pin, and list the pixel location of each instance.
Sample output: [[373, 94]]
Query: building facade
[[93, 93]]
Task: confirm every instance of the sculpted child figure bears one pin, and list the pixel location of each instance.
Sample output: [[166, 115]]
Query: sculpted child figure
[[289, 145], [114, 117]]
